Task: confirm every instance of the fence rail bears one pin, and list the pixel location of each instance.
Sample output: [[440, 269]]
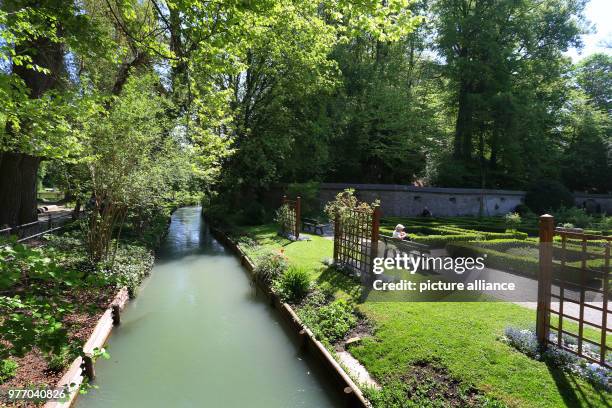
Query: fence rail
[[35, 229], [586, 295]]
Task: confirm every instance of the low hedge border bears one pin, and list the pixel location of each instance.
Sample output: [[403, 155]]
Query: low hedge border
[[512, 263]]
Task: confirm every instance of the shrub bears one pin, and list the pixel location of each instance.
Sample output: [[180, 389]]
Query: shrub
[[512, 220], [132, 264], [329, 322], [293, 285], [548, 195], [283, 218], [269, 266], [576, 217], [344, 202], [8, 369]]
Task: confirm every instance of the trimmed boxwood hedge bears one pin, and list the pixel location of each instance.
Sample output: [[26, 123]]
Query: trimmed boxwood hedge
[[519, 264]]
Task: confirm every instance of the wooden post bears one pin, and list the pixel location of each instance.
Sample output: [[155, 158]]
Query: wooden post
[[116, 315], [604, 315], [547, 230], [88, 367], [374, 238], [336, 236], [298, 216]]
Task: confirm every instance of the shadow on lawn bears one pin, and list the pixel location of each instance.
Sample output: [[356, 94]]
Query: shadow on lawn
[[332, 278], [569, 389]]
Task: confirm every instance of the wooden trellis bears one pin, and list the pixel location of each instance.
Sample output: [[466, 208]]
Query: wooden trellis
[[356, 234], [581, 301], [293, 223]]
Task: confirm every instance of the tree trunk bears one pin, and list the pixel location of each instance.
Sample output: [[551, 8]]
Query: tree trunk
[[18, 170], [10, 182], [29, 170], [18, 186]]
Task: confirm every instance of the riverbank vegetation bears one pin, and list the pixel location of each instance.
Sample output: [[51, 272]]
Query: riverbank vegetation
[[134, 107], [52, 295], [421, 352]]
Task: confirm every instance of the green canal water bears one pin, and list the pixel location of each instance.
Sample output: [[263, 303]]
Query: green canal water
[[197, 335]]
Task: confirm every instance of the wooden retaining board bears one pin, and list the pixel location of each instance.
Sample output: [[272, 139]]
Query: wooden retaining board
[[73, 377], [353, 395]]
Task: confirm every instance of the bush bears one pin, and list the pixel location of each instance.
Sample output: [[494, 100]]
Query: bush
[[329, 322], [293, 285], [512, 220], [576, 217], [8, 369], [284, 219], [132, 264], [269, 266], [548, 195]]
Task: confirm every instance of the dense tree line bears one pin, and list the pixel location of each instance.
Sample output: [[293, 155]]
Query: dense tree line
[[232, 97], [480, 94], [113, 93]]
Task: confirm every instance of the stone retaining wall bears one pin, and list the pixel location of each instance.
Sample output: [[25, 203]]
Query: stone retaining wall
[[409, 201]]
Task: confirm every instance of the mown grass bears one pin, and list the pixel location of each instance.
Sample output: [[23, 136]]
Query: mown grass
[[465, 338]]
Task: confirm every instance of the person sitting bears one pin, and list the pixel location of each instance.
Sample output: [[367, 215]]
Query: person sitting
[[399, 232], [426, 212]]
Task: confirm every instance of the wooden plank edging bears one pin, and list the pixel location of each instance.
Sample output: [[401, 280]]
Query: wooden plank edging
[[73, 377], [353, 394]]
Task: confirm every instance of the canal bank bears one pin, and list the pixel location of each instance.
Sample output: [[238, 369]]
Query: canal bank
[[199, 335]]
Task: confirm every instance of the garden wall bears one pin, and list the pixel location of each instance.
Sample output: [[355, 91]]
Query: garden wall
[[409, 201]]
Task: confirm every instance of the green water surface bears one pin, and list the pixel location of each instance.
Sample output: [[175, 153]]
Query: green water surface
[[197, 335]]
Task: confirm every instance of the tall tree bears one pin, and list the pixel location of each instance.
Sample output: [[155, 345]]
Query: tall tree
[[504, 58]]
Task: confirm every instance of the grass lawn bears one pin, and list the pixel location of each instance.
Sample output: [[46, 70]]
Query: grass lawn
[[462, 338]]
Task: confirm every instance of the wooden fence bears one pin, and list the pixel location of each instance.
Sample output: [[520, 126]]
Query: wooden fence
[[581, 305], [293, 224], [356, 234], [38, 228]]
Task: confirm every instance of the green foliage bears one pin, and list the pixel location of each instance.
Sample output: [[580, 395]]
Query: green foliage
[[548, 195], [270, 265], [293, 285], [284, 219], [309, 194], [594, 75], [131, 265], [513, 220], [330, 322], [56, 362], [32, 305], [344, 202], [575, 216], [8, 369]]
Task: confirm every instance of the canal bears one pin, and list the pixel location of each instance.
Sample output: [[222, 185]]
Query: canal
[[198, 335]]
